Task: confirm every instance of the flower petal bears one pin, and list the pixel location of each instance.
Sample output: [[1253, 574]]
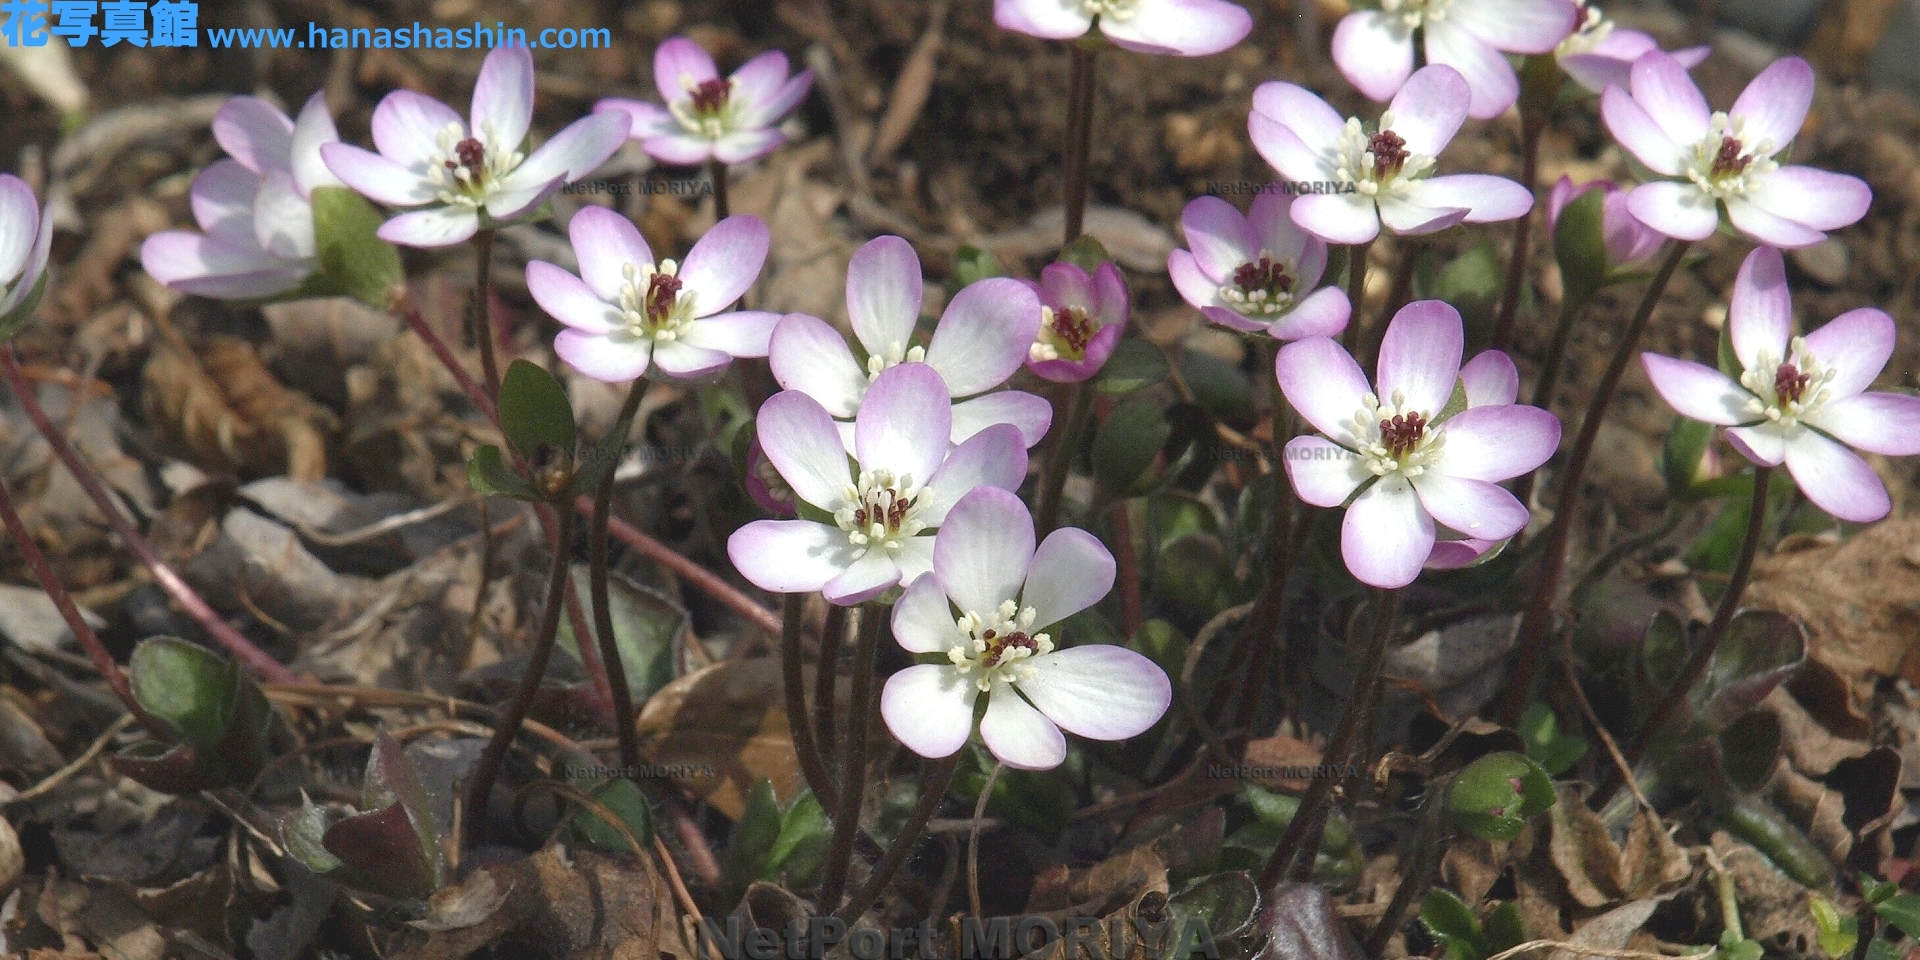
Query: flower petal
[[1488, 199], [1286, 152], [789, 556], [679, 65], [313, 129], [1271, 218], [1349, 218], [1488, 74], [566, 299], [984, 335], [255, 133], [1517, 26], [799, 438], [406, 130], [1071, 571], [929, 707], [808, 355], [1324, 313], [1836, 479], [684, 361], [1020, 736], [1220, 238], [1677, 210], [511, 204], [740, 146], [883, 295], [1472, 507], [1818, 199], [743, 333], [1762, 443], [1670, 97], [1374, 52], [1634, 129], [1699, 392], [724, 263], [770, 111], [984, 550], [1428, 111], [577, 150], [1031, 415], [606, 244], [1764, 227], [904, 422], [1046, 19], [1775, 103], [1856, 346], [759, 78], [678, 149], [19, 220], [376, 177], [870, 576], [1491, 379], [645, 120], [282, 218], [923, 620], [604, 358], [1409, 218], [1760, 312], [503, 97], [994, 457], [1420, 356], [1185, 28], [1324, 473], [1300, 110], [1884, 423], [431, 227], [1455, 554], [1322, 381], [212, 267], [1498, 443], [1099, 691], [1387, 535]]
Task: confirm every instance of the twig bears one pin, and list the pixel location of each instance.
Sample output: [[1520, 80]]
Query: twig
[[80, 763], [383, 526]]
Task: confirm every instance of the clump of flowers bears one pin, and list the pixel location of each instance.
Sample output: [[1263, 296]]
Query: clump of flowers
[[1374, 48], [1599, 54], [705, 116]]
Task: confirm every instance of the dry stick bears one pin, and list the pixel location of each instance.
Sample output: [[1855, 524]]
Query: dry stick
[[1553, 559], [973, 839], [1702, 654], [488, 767], [832, 631], [89, 641], [1356, 292], [235, 643], [1079, 138], [793, 612], [853, 760], [1533, 123], [1301, 842], [616, 670], [935, 777]]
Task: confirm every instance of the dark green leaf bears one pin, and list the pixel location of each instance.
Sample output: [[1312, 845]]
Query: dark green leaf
[[645, 624], [1580, 246], [1761, 650], [1504, 928], [1226, 903], [805, 830], [534, 411], [1494, 795], [352, 256], [1545, 744], [1448, 918], [1903, 912], [1135, 363], [751, 847], [1749, 749], [302, 831], [488, 473], [621, 796], [1218, 386], [1126, 445], [195, 691]]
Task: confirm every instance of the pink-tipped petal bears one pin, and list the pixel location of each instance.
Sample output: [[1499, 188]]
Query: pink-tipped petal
[[1677, 210], [1420, 356], [644, 120], [1699, 392], [1768, 228], [1488, 199], [566, 299], [376, 177], [983, 550], [1762, 443], [904, 422], [1271, 219], [928, 707], [205, 266], [678, 149], [1429, 109], [1071, 571], [1491, 379], [680, 360], [789, 556], [809, 356], [1322, 381], [255, 133], [522, 199], [431, 227], [1286, 152], [1760, 312], [1638, 133], [1500, 442], [1836, 479], [679, 65], [604, 358], [406, 129], [1412, 219], [1488, 74], [1348, 218], [1472, 507], [1884, 423], [725, 263], [984, 335], [760, 78], [1386, 536], [20, 216], [1595, 72], [994, 457], [282, 218], [1232, 321], [313, 129], [1517, 26], [503, 97], [1029, 414], [1046, 19], [1020, 736], [923, 620], [1775, 103], [883, 294], [1663, 87], [870, 576], [1301, 110], [1323, 473], [743, 333], [1220, 238], [1185, 28], [801, 442], [1374, 52], [1856, 346], [770, 111], [607, 244], [221, 196], [577, 150], [1817, 199], [1627, 240], [1458, 554], [1324, 313], [1099, 691]]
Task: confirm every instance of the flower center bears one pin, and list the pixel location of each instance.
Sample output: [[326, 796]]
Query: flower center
[[1393, 439], [895, 354], [1594, 27], [1064, 334], [1725, 164], [1377, 163], [1410, 15], [1110, 9], [994, 646], [469, 165], [1261, 287], [877, 509], [652, 302], [1786, 391], [709, 108]]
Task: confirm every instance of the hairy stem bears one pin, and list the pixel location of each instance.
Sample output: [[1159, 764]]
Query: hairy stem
[[832, 632], [793, 612], [1429, 846], [487, 770], [616, 670], [1356, 292], [853, 759], [973, 839], [235, 643], [1534, 626], [1053, 482], [1079, 139], [1293, 857], [935, 777], [1532, 125], [1261, 635], [483, 309]]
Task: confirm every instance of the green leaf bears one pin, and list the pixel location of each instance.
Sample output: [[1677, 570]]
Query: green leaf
[[645, 623], [1877, 891], [16, 318], [1882, 949], [1126, 445], [1837, 934], [1761, 650], [391, 779], [1456, 402], [1903, 912], [1496, 794], [195, 691], [751, 846], [1223, 905], [1472, 281], [1739, 948], [352, 256], [1727, 359], [625, 800], [1218, 386], [972, 264], [534, 411], [1580, 246], [302, 832], [1683, 455], [1086, 253], [805, 830], [1663, 651], [1749, 750], [1545, 744], [1450, 921], [1504, 929], [488, 473], [1135, 363]]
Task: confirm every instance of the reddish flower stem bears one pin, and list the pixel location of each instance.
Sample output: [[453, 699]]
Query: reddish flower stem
[[243, 649]]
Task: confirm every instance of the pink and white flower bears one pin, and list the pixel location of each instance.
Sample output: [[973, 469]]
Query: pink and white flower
[[707, 117], [888, 506], [1374, 48], [1391, 454], [1599, 55], [458, 176], [983, 337], [1489, 379], [255, 208], [1081, 320], [1383, 176], [1256, 273], [26, 239], [1801, 401], [1181, 28], [1628, 241], [991, 611], [627, 313], [1726, 160]]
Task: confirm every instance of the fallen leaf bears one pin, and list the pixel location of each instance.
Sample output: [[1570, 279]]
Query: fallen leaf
[[217, 401], [725, 727], [466, 905], [1857, 598], [1585, 855], [578, 906]]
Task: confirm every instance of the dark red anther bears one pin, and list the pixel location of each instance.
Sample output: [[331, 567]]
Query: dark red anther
[[710, 97], [1263, 274], [1729, 161], [998, 648], [1389, 151], [473, 156], [1402, 432], [1789, 384], [1073, 329], [663, 290]]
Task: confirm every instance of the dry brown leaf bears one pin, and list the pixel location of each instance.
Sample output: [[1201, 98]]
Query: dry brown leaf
[[1585, 855], [1472, 865], [220, 403], [1858, 598], [1651, 860], [12, 861], [910, 89], [1773, 908], [1273, 753], [729, 719], [580, 906], [1812, 748]]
